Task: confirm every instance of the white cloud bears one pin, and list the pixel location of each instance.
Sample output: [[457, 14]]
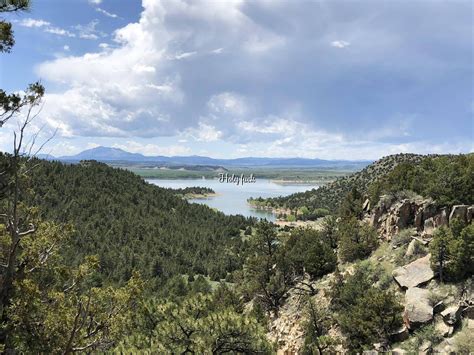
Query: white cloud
[[105, 97], [106, 13], [184, 55], [139, 68], [276, 55], [30, 22], [340, 44], [45, 26], [95, 2], [89, 31], [59, 31], [228, 103], [66, 48], [204, 133]]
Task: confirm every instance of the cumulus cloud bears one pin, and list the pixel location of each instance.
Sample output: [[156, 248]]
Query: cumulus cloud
[[269, 72], [204, 133]]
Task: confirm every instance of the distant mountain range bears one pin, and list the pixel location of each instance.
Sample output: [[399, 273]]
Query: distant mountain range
[[116, 155]]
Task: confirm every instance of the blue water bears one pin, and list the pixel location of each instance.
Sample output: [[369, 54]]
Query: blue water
[[231, 198]]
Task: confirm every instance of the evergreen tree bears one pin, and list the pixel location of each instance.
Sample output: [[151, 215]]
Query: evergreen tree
[[356, 241]]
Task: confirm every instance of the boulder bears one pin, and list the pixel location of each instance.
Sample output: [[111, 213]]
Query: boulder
[[399, 335], [415, 273], [459, 211], [418, 310], [411, 248], [445, 330], [451, 315]]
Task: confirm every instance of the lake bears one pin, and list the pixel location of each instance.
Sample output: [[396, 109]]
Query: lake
[[232, 198]]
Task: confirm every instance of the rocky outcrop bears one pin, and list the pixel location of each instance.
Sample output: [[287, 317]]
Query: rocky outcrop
[[414, 274], [390, 215], [418, 310], [459, 212]]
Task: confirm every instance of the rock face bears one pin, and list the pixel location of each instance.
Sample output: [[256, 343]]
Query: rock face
[[459, 211], [405, 214], [414, 274], [390, 216], [418, 310]]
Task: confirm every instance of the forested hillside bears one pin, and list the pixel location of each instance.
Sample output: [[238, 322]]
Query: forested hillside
[[133, 225], [446, 178]]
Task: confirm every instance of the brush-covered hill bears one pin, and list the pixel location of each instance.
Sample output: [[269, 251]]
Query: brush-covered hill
[[133, 225], [437, 176]]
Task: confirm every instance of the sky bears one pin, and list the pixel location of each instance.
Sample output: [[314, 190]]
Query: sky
[[318, 79]]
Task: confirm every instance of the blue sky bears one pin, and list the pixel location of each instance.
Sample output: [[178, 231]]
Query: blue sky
[[330, 79]]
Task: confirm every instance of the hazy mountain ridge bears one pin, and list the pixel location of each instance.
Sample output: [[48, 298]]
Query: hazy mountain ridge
[[107, 154]]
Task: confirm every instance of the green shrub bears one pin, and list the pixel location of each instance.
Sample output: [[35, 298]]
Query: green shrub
[[307, 250], [403, 237], [453, 256], [356, 241], [366, 314]]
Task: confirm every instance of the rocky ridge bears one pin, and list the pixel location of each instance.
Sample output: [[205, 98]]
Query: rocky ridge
[[447, 309]]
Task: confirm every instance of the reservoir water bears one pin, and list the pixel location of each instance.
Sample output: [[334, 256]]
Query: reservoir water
[[232, 198]]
